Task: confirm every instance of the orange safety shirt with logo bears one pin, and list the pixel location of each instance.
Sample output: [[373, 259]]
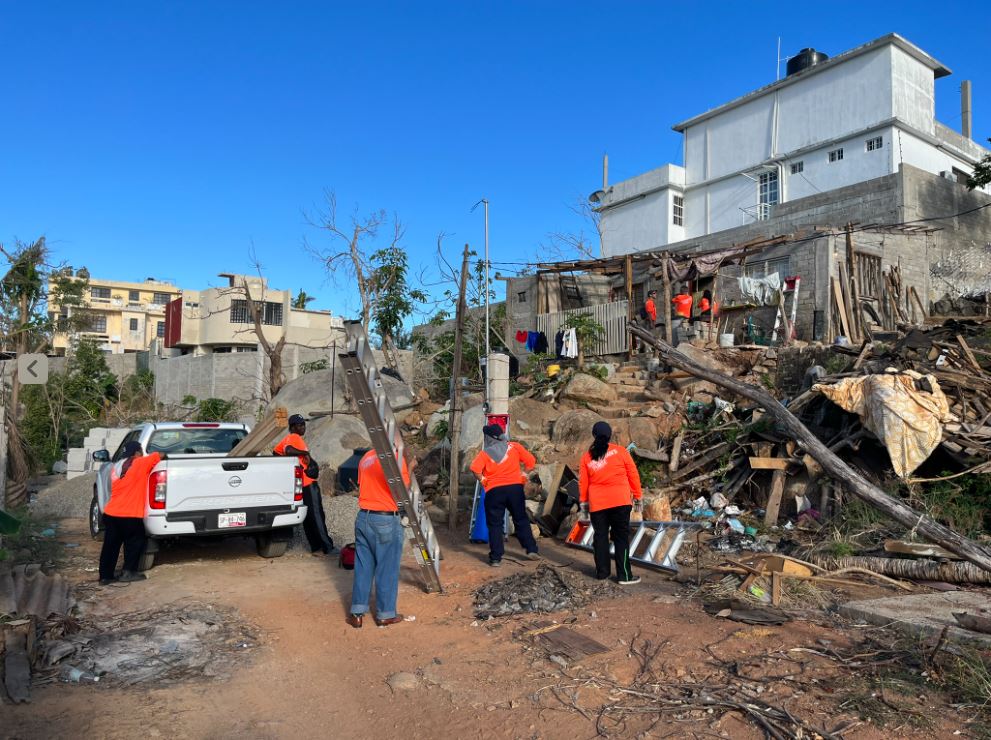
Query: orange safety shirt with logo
[[651, 308], [295, 440], [611, 481], [703, 305], [373, 489], [129, 491], [505, 472], [682, 305]]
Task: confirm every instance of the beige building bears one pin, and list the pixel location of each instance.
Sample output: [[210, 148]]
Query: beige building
[[123, 317], [219, 320]]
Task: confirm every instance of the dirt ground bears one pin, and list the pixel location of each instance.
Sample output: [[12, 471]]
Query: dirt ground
[[311, 675]]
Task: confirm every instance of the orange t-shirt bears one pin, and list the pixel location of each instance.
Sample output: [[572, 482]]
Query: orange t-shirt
[[505, 472], [651, 309], [129, 492], [295, 440], [682, 305], [611, 481], [373, 489], [704, 305]]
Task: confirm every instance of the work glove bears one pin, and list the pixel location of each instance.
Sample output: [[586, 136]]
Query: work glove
[[583, 513], [638, 505]]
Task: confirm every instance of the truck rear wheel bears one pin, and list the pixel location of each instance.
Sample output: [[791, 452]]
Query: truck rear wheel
[[271, 545], [147, 561]]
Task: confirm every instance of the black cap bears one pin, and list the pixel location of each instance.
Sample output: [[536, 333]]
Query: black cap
[[132, 448], [651, 292], [296, 419], [492, 430], [602, 429]]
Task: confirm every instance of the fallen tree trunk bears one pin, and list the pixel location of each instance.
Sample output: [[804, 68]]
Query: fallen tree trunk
[[908, 568], [831, 464]]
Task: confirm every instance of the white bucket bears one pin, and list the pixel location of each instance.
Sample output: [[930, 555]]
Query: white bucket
[[726, 340]]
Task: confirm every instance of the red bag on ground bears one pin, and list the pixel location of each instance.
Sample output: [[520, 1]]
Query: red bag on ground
[[346, 559]]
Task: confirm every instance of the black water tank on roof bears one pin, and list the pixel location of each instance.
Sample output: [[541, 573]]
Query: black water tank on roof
[[804, 59]]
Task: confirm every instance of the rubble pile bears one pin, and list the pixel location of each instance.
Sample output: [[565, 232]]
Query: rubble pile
[[546, 589]]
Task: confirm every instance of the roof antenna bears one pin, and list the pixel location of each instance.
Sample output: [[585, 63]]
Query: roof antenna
[[777, 71]]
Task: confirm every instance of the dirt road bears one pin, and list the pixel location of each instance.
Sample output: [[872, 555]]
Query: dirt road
[[308, 674]]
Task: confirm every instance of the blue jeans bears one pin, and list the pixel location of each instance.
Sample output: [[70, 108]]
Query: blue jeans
[[378, 549], [496, 502]]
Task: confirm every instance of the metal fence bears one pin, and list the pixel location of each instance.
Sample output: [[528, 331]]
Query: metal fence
[[612, 316]]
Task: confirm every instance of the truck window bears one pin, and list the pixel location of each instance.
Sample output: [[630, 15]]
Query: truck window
[[195, 441], [131, 436]]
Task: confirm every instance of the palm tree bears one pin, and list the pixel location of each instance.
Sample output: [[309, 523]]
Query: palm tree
[[301, 299]]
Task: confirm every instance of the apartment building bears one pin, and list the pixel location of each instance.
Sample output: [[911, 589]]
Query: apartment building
[[216, 320], [121, 316]]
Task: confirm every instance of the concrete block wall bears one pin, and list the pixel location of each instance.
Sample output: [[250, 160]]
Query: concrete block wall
[[80, 459]]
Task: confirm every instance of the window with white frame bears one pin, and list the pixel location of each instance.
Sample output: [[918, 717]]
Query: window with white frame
[[797, 167], [874, 144], [767, 193], [678, 212], [836, 155]]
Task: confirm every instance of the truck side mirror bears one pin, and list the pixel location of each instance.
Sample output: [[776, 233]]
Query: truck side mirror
[[101, 456]]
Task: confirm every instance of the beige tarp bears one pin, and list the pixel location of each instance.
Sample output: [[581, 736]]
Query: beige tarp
[[909, 421]]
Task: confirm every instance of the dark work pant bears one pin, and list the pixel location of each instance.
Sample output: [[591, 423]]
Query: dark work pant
[[496, 502], [126, 531], [614, 524], [314, 525]]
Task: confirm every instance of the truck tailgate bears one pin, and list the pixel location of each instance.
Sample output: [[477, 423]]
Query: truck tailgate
[[222, 483]]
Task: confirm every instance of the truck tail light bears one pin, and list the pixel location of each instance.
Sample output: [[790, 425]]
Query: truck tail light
[[297, 491], [157, 484]]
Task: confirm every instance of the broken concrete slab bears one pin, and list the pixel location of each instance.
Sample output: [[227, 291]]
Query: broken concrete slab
[[924, 615]]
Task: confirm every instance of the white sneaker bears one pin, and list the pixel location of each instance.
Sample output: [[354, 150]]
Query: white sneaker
[[635, 579]]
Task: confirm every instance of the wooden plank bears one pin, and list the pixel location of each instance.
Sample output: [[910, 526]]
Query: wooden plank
[[775, 589], [676, 452], [556, 476], [858, 314], [918, 302], [865, 350], [918, 549], [261, 437], [570, 644], [848, 307], [969, 355], [713, 454], [774, 500], [769, 463], [841, 307]]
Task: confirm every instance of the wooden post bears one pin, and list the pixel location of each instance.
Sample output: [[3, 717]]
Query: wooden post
[[630, 313], [831, 463], [774, 500], [855, 310], [455, 421], [666, 307]]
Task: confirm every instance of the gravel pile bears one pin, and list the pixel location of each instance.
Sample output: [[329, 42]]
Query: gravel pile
[[63, 498], [547, 589], [340, 513]]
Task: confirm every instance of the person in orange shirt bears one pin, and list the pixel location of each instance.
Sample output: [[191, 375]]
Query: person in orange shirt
[[315, 524], [497, 468], [683, 303], [609, 487], [123, 516], [648, 316], [378, 544]]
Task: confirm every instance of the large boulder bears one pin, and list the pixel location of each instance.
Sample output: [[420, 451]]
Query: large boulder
[[320, 392], [472, 422], [530, 418], [574, 426], [583, 387], [643, 432], [332, 440]]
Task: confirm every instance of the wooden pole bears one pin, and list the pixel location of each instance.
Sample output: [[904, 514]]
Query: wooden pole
[[855, 310], [834, 467], [666, 307], [459, 331], [630, 314]]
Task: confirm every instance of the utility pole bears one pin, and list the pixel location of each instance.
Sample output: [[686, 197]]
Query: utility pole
[[485, 205], [459, 331]]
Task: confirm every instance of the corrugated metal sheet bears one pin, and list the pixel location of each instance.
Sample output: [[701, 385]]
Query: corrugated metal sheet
[[612, 316], [25, 590]]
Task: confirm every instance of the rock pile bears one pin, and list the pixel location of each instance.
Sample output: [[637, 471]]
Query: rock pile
[[547, 589]]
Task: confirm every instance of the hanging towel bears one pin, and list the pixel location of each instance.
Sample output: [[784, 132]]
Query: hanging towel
[[570, 348], [521, 336], [531, 341]]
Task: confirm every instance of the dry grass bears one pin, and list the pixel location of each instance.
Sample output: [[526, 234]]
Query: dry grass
[[795, 593]]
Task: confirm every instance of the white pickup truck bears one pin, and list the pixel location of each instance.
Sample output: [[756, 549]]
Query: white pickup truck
[[197, 490]]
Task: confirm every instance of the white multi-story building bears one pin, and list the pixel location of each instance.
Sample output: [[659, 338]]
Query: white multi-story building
[[830, 123]]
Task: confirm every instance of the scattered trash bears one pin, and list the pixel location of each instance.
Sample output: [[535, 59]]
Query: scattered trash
[[409, 618], [71, 674], [547, 589], [49, 532]]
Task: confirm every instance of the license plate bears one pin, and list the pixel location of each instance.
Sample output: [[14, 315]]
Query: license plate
[[233, 519]]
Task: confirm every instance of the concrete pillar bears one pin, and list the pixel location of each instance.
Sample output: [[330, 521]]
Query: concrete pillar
[[498, 383]]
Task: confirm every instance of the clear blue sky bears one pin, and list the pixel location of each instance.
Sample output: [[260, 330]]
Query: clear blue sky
[[165, 138]]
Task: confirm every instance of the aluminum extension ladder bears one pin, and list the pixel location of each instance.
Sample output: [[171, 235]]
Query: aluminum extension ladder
[[654, 544], [369, 394]]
